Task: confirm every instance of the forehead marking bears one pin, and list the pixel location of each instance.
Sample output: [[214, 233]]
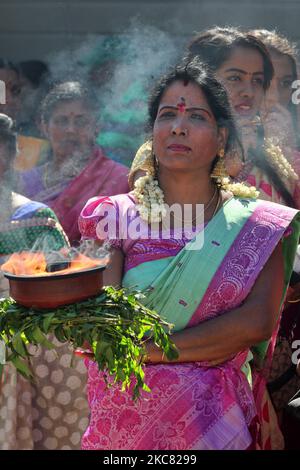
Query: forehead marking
[[181, 105]]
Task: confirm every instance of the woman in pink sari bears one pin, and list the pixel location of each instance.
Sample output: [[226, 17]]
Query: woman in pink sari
[[214, 266], [76, 169], [243, 64]]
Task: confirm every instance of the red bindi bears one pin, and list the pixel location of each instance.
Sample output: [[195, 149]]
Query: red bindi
[[181, 106]]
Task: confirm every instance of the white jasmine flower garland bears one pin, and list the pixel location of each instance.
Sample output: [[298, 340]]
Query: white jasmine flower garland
[[278, 161], [239, 189], [150, 196]]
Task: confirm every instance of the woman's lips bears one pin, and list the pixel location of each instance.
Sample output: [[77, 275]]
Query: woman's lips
[[179, 148], [244, 109]]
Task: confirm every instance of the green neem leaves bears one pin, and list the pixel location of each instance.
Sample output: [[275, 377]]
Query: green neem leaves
[[115, 324]]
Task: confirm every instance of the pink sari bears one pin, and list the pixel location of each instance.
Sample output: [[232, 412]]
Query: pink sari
[[101, 176], [67, 198], [191, 405]]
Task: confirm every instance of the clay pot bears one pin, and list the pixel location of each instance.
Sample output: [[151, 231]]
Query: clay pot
[[54, 290]]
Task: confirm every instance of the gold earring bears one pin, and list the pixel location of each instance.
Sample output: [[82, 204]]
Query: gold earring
[[219, 170]]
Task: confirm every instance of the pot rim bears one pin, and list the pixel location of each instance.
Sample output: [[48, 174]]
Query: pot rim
[[53, 277]]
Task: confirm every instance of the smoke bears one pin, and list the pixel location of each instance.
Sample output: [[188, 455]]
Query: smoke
[[148, 54], [91, 249], [6, 203], [143, 52], [88, 248], [121, 69]]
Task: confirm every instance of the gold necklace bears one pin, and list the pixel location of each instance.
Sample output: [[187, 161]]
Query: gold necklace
[[207, 206], [214, 213], [217, 205]]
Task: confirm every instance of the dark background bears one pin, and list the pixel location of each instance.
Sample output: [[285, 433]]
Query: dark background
[[33, 29]]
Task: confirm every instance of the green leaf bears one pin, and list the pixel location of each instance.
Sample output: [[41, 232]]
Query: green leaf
[[101, 347], [38, 336], [115, 323], [146, 388], [47, 322], [21, 366], [18, 345], [48, 344], [58, 332], [109, 355]]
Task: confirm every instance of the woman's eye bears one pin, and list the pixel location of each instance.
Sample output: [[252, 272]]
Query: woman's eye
[[166, 115], [286, 83], [81, 121], [61, 121], [234, 78], [258, 81], [197, 117]]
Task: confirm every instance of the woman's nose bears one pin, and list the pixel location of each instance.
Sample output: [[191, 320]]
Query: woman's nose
[[247, 90], [179, 128], [71, 126]]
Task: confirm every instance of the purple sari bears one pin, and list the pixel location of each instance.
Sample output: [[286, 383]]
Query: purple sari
[[191, 405]]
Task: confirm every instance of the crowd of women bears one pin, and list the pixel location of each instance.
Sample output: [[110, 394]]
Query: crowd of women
[[223, 133]]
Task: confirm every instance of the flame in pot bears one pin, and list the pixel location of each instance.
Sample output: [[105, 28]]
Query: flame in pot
[[35, 264]]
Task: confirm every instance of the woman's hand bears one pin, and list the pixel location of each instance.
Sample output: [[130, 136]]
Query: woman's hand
[[85, 352]]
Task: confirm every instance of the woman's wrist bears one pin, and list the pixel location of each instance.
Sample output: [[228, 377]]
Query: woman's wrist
[[152, 353]]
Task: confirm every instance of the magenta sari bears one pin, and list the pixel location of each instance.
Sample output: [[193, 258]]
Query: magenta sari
[[100, 176], [191, 405]]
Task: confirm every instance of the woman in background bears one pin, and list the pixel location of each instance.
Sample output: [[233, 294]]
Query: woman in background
[[22, 221], [53, 412], [76, 168]]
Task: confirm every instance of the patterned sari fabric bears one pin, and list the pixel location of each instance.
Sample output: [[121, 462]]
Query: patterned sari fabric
[[191, 405], [53, 412], [256, 177], [30, 223]]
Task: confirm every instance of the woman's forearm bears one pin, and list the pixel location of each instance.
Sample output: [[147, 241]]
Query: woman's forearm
[[238, 329], [216, 339]]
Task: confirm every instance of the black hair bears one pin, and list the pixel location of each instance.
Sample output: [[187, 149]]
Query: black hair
[[214, 46], [8, 136], [65, 92], [36, 71], [216, 95]]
